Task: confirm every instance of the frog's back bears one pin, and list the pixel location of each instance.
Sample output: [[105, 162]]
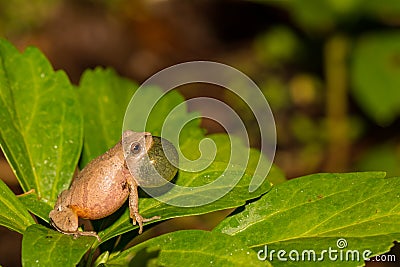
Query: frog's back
[[101, 187]]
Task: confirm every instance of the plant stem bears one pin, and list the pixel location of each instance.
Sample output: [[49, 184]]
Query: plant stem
[[335, 54]]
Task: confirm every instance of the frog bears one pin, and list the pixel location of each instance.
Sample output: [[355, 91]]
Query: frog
[[106, 182]]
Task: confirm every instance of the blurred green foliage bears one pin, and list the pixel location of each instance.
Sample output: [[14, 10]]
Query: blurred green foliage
[[326, 15], [383, 156], [314, 85], [311, 80], [278, 45], [292, 61], [376, 75], [20, 16]]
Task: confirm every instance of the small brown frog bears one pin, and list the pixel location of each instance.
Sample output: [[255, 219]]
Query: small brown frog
[[106, 182]]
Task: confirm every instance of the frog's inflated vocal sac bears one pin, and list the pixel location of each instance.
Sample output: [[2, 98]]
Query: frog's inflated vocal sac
[[106, 182]]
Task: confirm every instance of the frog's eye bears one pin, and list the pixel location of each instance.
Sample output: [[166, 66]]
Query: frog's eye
[[135, 148]]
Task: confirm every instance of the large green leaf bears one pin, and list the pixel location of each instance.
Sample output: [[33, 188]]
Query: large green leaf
[[188, 248], [37, 206], [13, 214], [44, 247], [104, 97], [168, 117], [376, 75], [315, 211], [238, 196], [41, 133], [98, 85]]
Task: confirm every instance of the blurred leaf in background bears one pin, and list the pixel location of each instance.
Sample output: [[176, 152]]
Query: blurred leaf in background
[[376, 76], [388, 12], [384, 156], [19, 16], [319, 16], [277, 46]]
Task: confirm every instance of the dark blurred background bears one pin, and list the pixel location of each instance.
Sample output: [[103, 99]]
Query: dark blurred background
[[329, 69]]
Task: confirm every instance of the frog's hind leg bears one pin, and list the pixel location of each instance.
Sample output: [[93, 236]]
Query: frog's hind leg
[[134, 205], [67, 222], [86, 233]]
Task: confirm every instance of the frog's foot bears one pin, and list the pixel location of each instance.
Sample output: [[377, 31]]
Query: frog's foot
[[136, 217], [88, 233]]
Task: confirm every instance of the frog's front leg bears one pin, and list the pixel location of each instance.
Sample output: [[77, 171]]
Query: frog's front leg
[[134, 205]]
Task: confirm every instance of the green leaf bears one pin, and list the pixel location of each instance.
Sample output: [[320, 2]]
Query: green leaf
[[376, 76], [275, 176], [101, 84], [42, 123], [313, 212], [238, 196], [104, 97], [169, 114], [13, 214], [188, 248], [44, 247], [37, 206]]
